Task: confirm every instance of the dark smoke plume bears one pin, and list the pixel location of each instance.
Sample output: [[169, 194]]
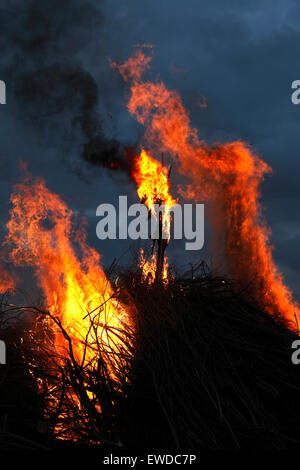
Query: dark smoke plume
[[55, 92]]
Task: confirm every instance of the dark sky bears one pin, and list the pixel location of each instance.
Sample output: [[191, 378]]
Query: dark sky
[[61, 92]]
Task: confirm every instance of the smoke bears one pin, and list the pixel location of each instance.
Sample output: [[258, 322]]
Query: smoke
[[55, 90]]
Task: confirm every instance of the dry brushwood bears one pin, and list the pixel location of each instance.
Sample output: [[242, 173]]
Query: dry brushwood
[[202, 367]]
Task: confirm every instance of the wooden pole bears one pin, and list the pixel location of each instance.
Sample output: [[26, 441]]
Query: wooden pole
[[161, 242], [161, 247]]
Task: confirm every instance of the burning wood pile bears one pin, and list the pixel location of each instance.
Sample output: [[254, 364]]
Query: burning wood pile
[[166, 358], [201, 369]]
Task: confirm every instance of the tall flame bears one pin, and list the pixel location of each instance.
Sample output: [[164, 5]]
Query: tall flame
[[153, 189], [42, 235], [153, 182], [230, 175]]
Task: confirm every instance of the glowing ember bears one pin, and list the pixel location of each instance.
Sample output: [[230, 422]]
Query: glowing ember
[[230, 175], [42, 235]]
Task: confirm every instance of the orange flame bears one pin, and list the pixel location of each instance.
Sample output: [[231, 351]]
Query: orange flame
[[230, 175], [6, 281], [41, 230], [134, 67], [153, 188], [148, 267], [152, 181]]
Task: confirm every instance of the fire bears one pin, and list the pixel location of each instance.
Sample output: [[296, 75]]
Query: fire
[[229, 175], [134, 67], [148, 267], [42, 235], [6, 282], [152, 180], [153, 184]]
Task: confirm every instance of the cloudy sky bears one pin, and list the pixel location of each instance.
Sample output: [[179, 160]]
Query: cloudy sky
[[62, 94]]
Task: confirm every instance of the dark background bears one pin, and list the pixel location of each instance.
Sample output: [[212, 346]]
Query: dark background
[[61, 93]]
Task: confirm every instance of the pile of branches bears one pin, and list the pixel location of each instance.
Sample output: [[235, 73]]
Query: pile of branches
[[78, 399], [201, 367]]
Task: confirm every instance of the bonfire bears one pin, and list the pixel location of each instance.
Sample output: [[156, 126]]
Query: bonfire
[[137, 357]]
